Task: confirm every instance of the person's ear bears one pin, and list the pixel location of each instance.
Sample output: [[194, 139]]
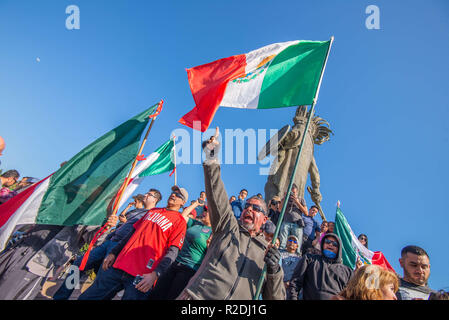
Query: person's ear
[[401, 262]]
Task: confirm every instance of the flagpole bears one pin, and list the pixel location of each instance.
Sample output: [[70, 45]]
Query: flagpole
[[284, 206], [174, 158]]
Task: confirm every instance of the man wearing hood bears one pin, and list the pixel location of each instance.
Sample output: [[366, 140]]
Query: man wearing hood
[[321, 276]]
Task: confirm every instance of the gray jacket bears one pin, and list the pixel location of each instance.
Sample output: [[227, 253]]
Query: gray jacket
[[234, 260]]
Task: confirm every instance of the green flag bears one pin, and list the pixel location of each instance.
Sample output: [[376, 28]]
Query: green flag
[[351, 246], [80, 191]]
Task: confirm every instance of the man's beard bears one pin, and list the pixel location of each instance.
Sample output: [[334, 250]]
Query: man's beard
[[248, 225], [417, 282]]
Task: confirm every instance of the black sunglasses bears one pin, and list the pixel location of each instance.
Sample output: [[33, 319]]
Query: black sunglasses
[[255, 207], [179, 195], [335, 244], [274, 202]]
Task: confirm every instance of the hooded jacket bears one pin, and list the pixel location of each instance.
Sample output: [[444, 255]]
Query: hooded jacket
[[234, 260], [320, 277]]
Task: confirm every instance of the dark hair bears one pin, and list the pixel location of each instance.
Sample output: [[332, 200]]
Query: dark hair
[[294, 186], [415, 250], [364, 235], [314, 206], [243, 190], [202, 192], [157, 194], [11, 174]]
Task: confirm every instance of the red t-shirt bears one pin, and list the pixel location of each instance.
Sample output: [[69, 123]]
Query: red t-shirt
[[155, 232]]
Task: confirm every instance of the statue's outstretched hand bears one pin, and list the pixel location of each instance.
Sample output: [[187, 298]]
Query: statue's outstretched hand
[[316, 197]]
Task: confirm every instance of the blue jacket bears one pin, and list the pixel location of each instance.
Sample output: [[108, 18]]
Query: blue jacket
[[237, 207]]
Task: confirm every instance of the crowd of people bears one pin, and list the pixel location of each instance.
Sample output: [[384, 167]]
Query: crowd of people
[[213, 248]]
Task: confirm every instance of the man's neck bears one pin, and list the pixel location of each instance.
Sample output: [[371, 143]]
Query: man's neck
[[149, 207], [173, 208], [405, 278]]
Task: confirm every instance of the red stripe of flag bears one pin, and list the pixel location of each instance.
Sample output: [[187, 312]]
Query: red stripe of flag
[[8, 208], [208, 84]]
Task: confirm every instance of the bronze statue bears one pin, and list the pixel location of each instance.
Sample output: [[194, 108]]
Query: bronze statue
[[287, 150]]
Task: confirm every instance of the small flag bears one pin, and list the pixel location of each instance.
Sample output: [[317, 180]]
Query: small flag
[[353, 249], [158, 162]]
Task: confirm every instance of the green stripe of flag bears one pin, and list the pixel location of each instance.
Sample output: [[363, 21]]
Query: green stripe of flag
[[80, 191], [293, 76], [343, 230]]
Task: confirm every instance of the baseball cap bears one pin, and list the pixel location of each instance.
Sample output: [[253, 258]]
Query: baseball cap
[[182, 191], [139, 197]]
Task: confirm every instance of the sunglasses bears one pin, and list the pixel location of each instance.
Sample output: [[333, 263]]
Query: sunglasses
[[274, 202], [178, 195], [363, 239], [294, 241], [335, 244], [255, 207]]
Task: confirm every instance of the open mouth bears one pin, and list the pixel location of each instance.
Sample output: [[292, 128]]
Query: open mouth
[[247, 218]]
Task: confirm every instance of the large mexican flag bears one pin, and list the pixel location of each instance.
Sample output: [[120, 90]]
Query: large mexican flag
[[353, 249], [81, 190], [278, 75]]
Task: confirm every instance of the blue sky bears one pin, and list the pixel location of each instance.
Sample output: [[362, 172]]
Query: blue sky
[[384, 93]]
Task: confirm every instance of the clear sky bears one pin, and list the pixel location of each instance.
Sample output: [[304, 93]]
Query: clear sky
[[385, 94]]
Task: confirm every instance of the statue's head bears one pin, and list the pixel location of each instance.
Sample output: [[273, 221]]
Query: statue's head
[[318, 127], [300, 115]]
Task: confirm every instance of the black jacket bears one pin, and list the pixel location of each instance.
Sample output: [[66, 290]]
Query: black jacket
[[319, 277]]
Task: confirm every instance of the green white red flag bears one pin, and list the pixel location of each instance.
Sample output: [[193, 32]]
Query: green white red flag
[[353, 249], [158, 162], [278, 75]]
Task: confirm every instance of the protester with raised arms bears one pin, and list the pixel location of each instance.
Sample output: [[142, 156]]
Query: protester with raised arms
[[238, 250]]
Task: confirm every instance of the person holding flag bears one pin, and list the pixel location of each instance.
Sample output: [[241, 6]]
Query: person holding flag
[[321, 276], [238, 250], [98, 254], [143, 254]]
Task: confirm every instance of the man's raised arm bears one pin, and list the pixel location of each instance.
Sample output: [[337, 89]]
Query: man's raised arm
[[220, 211]]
